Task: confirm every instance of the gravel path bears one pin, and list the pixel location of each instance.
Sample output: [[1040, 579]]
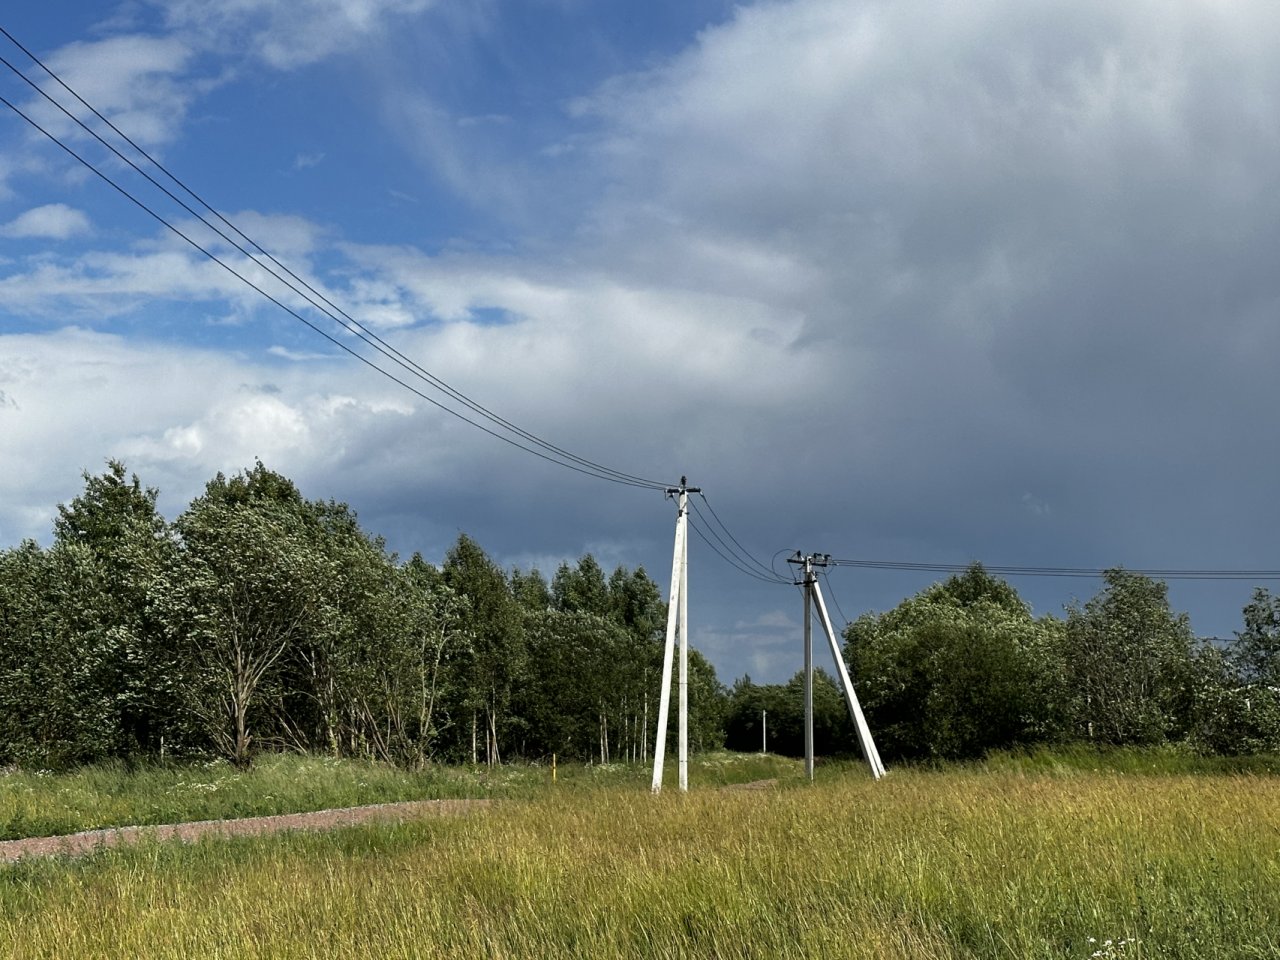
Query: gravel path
[[80, 844]]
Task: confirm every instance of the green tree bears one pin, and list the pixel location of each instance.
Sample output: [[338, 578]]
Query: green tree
[[56, 660], [955, 671], [85, 672], [116, 521], [245, 588], [405, 673], [636, 604], [494, 625], [355, 577], [1256, 650], [1235, 690], [582, 589], [531, 590], [833, 732], [1128, 662], [571, 702]]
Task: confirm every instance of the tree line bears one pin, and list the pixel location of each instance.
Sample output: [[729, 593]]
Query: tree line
[[963, 668], [260, 619]]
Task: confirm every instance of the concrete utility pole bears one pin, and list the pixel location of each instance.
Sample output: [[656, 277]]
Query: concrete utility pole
[[812, 598], [677, 622]]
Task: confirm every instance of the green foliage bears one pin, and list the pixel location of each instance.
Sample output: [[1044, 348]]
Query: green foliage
[[581, 589], [595, 659], [707, 704], [1256, 651], [577, 663], [498, 654], [1129, 660], [57, 658], [1235, 691], [531, 590], [953, 672], [782, 706], [84, 669], [262, 619], [244, 593]]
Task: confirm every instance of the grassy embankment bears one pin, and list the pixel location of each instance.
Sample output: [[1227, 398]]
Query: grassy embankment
[[1019, 858]]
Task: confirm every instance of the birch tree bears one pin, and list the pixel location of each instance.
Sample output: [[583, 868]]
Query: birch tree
[[243, 589]]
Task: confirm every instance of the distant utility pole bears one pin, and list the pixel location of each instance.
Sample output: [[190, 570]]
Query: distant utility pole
[[677, 622], [812, 598]]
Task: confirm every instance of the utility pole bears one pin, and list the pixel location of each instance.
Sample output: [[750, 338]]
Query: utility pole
[[812, 598], [677, 622]]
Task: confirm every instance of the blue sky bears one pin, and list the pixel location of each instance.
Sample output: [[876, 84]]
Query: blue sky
[[888, 280]]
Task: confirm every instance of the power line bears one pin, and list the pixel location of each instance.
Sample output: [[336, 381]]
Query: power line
[[733, 551], [834, 599], [773, 565], [731, 560], [312, 296], [741, 558], [301, 319], [1076, 572], [741, 550]]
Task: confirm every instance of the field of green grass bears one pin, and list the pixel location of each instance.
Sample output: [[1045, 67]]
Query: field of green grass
[[1073, 855]]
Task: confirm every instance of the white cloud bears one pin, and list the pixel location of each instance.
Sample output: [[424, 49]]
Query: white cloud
[[297, 356], [100, 283], [176, 414], [287, 36], [778, 619], [53, 221], [289, 238], [137, 81], [869, 271], [1035, 506], [104, 283]]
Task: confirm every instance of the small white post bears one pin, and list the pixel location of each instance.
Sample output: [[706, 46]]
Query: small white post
[[764, 732]]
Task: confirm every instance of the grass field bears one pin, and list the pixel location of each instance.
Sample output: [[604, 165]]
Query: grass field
[[1021, 857]]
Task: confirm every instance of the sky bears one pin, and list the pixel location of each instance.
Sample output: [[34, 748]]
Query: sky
[[896, 281]]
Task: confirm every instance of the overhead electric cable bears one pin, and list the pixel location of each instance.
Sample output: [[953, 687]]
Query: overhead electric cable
[[297, 316], [741, 557], [347, 322], [834, 599], [732, 561], [1078, 572], [741, 550], [773, 562]]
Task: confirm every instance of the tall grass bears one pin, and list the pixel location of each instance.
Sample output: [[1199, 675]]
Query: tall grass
[[43, 804], [957, 863]]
